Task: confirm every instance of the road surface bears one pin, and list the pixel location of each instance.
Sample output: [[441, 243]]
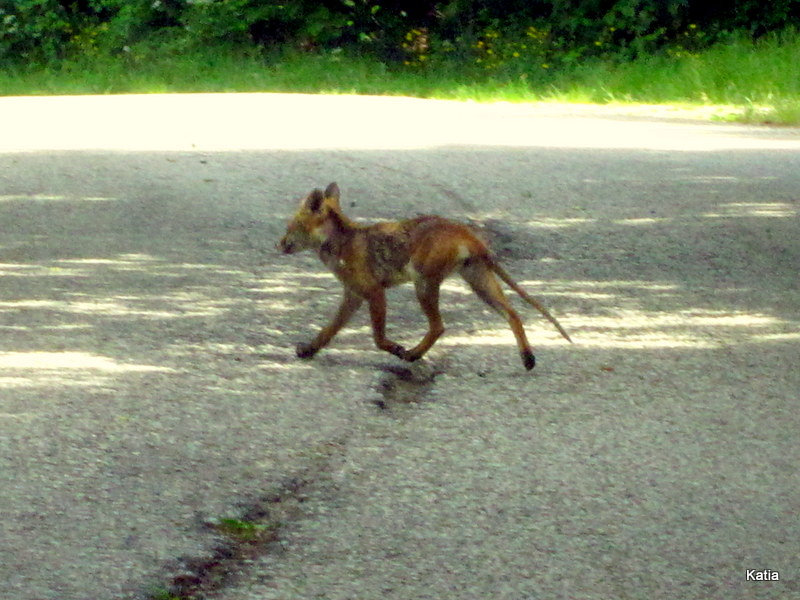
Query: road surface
[[150, 397]]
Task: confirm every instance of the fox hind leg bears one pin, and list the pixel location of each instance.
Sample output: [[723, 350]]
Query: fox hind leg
[[483, 282]]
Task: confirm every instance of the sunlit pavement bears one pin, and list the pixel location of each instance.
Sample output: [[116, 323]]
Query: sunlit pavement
[[219, 122]]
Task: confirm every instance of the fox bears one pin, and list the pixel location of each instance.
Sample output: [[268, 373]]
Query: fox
[[368, 259]]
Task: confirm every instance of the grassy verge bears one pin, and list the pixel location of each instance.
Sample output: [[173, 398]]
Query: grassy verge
[[757, 82], [757, 79]]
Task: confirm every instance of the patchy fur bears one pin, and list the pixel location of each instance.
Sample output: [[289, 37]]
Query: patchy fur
[[367, 259]]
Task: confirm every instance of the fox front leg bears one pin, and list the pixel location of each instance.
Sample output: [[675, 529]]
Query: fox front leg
[[350, 304]]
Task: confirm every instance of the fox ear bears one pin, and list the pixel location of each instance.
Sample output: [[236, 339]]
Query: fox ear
[[313, 201], [332, 192]]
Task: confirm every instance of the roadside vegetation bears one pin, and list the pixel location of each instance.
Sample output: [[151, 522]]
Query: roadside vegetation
[[678, 52]]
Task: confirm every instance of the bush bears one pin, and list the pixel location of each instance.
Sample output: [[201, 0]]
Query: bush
[[34, 30], [48, 31], [518, 36]]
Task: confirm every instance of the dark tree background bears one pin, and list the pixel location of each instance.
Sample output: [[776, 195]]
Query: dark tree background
[[48, 31]]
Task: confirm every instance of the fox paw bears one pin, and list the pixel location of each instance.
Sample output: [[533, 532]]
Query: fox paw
[[409, 356], [400, 352], [529, 360], [305, 350]]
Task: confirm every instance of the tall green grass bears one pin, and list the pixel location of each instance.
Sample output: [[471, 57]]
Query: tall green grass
[[760, 80]]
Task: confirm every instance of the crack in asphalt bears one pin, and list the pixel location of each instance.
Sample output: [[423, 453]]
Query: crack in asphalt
[[260, 522], [256, 531]]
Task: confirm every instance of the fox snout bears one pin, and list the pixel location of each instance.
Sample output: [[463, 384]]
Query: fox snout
[[296, 239]]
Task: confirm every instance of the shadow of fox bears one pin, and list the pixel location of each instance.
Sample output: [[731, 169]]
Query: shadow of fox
[[424, 250]]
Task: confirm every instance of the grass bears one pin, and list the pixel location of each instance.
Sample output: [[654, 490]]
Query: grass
[[247, 531], [759, 80], [161, 594]]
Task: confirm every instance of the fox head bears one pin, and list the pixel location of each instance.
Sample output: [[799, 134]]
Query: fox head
[[314, 222]]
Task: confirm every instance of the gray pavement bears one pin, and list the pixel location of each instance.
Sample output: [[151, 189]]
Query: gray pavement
[[149, 389]]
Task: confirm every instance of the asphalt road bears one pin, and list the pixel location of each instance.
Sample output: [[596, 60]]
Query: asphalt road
[[149, 392]]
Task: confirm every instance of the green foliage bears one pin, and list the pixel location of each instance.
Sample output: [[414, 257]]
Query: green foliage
[[162, 594], [755, 79], [515, 39], [49, 31], [247, 531], [127, 22], [240, 22], [33, 30]]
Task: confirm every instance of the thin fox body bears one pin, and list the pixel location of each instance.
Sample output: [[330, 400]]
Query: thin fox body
[[424, 250]]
